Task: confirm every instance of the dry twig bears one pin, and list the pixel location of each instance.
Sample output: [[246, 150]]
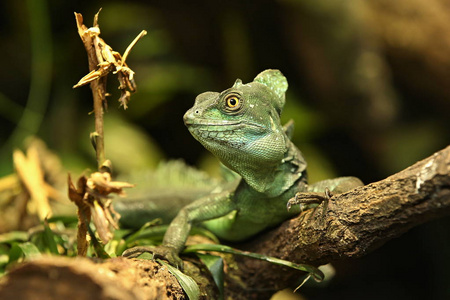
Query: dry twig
[[91, 197], [91, 194]]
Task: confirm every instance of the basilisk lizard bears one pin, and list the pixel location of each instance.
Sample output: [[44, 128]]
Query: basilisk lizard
[[241, 127]]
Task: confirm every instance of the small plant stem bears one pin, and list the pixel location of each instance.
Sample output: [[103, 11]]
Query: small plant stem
[[84, 217], [98, 112], [97, 86]]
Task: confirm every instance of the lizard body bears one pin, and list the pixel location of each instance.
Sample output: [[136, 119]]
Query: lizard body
[[241, 127]]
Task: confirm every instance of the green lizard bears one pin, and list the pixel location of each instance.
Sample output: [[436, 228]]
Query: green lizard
[[241, 127]]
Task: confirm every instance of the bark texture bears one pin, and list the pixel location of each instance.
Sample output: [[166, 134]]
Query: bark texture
[[355, 223], [82, 279]]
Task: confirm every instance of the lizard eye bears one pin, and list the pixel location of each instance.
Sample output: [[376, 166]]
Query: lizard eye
[[232, 102]]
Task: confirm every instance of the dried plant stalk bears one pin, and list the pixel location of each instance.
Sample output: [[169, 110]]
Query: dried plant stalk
[[91, 194]]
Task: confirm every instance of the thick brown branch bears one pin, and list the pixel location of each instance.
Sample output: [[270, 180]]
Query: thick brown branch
[[355, 223]]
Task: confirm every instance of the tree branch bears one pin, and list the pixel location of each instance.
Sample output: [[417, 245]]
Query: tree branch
[[356, 222]]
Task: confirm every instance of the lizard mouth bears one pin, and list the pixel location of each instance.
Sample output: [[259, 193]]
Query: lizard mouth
[[205, 122], [222, 125]]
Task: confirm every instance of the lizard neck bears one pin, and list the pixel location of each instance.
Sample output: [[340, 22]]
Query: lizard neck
[[276, 179]]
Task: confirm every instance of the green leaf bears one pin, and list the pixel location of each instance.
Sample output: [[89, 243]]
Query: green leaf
[[204, 232], [155, 233], [49, 239], [27, 250], [117, 245], [188, 284], [13, 236], [315, 272], [4, 259], [120, 247], [46, 240], [66, 220], [98, 247], [146, 255], [214, 264], [148, 231]]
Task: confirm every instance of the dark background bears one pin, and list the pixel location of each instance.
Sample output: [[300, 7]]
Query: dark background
[[369, 92]]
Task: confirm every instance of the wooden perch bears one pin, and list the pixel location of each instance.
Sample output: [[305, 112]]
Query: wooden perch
[[356, 223], [82, 279]]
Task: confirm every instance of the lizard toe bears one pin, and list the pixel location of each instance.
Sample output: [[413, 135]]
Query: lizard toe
[[163, 252]]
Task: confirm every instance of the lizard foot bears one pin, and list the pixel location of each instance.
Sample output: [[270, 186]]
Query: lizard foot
[[311, 201], [163, 252]]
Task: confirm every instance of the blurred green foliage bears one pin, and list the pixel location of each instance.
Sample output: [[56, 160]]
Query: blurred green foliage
[[343, 96], [368, 96], [350, 111]]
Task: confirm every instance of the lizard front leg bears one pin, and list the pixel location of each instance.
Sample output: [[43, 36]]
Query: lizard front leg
[[210, 207]]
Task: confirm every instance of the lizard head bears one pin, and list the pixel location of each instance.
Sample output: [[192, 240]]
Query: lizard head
[[241, 125]]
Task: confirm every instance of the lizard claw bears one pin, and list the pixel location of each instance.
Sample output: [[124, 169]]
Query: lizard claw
[[308, 200], [311, 200], [290, 203], [163, 252]]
